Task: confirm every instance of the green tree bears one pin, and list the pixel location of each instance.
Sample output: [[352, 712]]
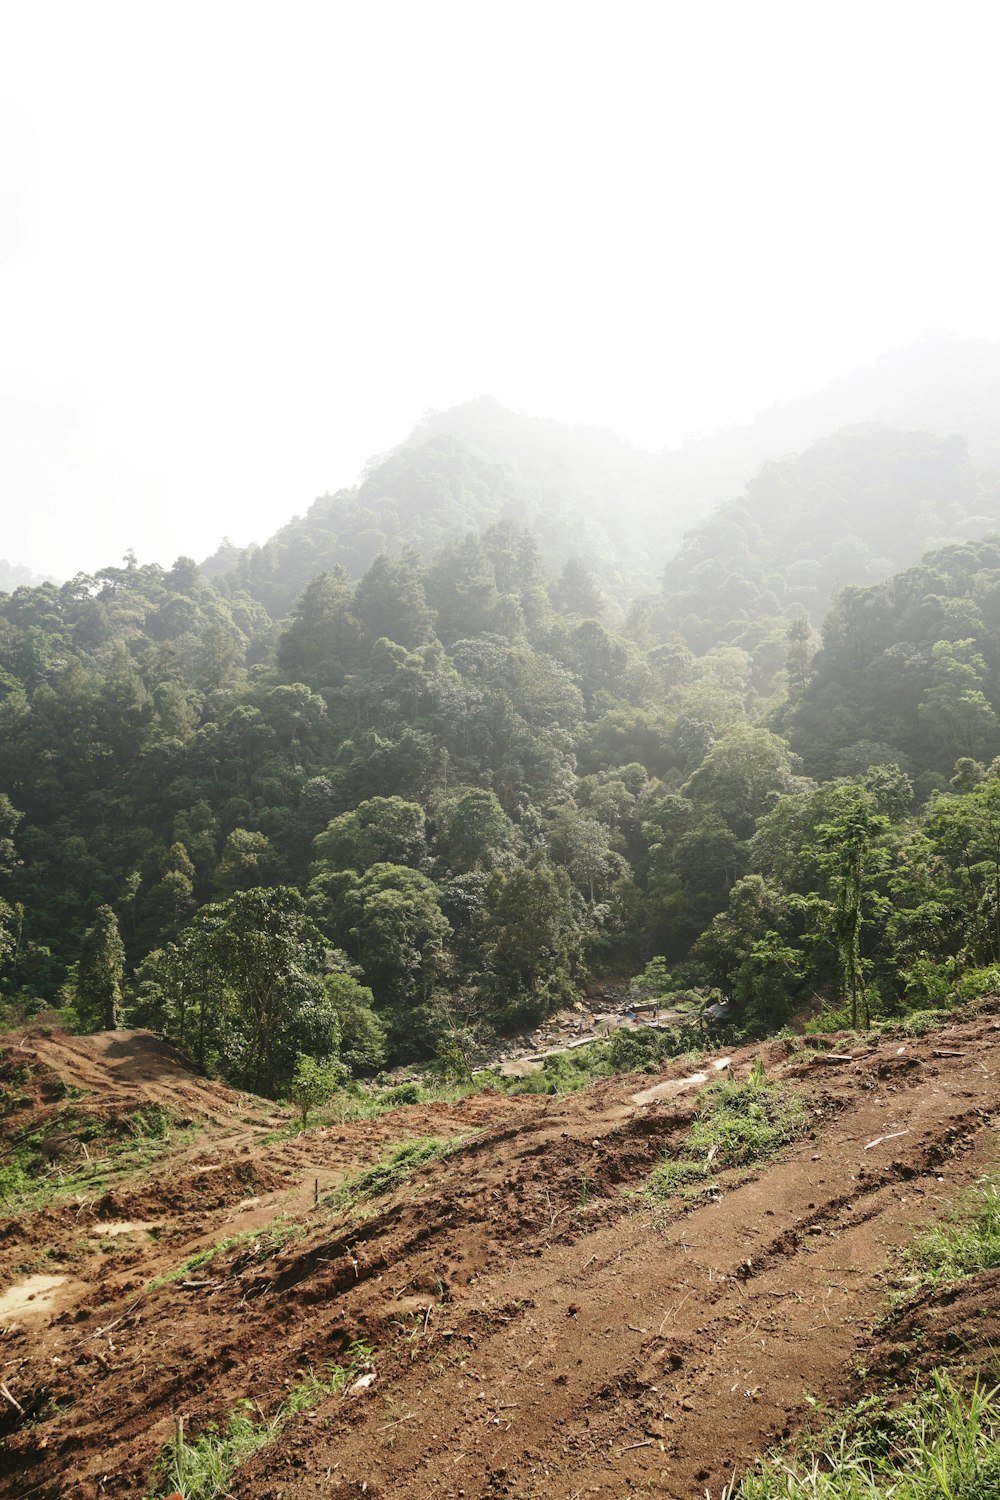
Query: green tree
[[851, 857], [955, 710], [577, 591], [529, 939], [246, 861], [591, 860], [323, 640], [390, 601], [10, 926], [380, 830], [9, 820], [180, 990], [246, 977], [100, 974], [363, 1033], [474, 832], [394, 921], [314, 1082], [693, 860], [164, 908], [799, 654], [742, 775]]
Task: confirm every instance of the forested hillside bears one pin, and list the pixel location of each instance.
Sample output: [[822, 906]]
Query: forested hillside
[[624, 512], [431, 801], [853, 509], [913, 665], [941, 384], [580, 491]]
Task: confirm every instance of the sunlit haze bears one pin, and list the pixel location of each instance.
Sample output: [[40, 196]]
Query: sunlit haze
[[243, 247]]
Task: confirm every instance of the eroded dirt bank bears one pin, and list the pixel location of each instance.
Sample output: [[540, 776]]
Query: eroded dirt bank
[[539, 1331]]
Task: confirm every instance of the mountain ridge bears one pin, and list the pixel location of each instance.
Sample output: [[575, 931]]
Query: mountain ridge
[[588, 492]]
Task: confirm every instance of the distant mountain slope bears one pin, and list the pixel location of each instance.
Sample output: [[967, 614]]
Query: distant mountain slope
[[909, 670], [579, 490], [852, 509], [941, 384], [14, 575], [589, 493]]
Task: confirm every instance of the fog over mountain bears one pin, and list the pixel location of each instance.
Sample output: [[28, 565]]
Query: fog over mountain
[[941, 383], [589, 493], [214, 314]]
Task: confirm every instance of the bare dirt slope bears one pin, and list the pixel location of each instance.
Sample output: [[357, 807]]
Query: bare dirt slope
[[539, 1331], [134, 1065]]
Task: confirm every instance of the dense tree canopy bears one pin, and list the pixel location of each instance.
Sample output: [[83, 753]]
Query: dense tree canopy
[[293, 813]]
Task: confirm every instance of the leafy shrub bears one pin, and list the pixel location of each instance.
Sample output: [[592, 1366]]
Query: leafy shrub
[[974, 983], [314, 1082], [629, 1051], [919, 1021], [929, 984], [453, 1059], [575, 1068], [150, 1121], [402, 1093]]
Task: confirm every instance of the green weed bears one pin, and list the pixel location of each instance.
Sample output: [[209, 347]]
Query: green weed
[[393, 1169], [360, 1101], [72, 1156], [260, 1242], [920, 1021], [952, 1251], [202, 1469], [14, 1182], [643, 1050], [944, 1445], [736, 1124]]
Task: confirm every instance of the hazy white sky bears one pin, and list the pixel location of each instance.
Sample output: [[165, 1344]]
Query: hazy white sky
[[245, 245]]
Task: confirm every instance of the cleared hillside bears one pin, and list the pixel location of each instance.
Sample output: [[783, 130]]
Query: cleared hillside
[[530, 1324]]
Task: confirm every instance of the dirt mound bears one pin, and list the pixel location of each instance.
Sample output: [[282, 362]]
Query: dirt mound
[[539, 1330], [123, 1065]]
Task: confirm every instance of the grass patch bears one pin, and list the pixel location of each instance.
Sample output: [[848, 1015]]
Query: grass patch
[[919, 1022], [736, 1124], [260, 1243], [201, 1469], [71, 1155], [943, 1445], [952, 1251], [392, 1170], [364, 1101], [643, 1050]]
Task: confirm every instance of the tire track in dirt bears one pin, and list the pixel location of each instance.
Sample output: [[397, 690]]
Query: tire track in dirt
[[601, 1403]]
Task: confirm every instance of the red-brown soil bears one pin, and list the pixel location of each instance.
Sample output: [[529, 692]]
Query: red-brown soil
[[539, 1331]]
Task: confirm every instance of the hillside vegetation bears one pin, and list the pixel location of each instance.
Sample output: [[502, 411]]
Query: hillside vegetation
[[449, 793], [365, 803], [624, 512], [851, 510]]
